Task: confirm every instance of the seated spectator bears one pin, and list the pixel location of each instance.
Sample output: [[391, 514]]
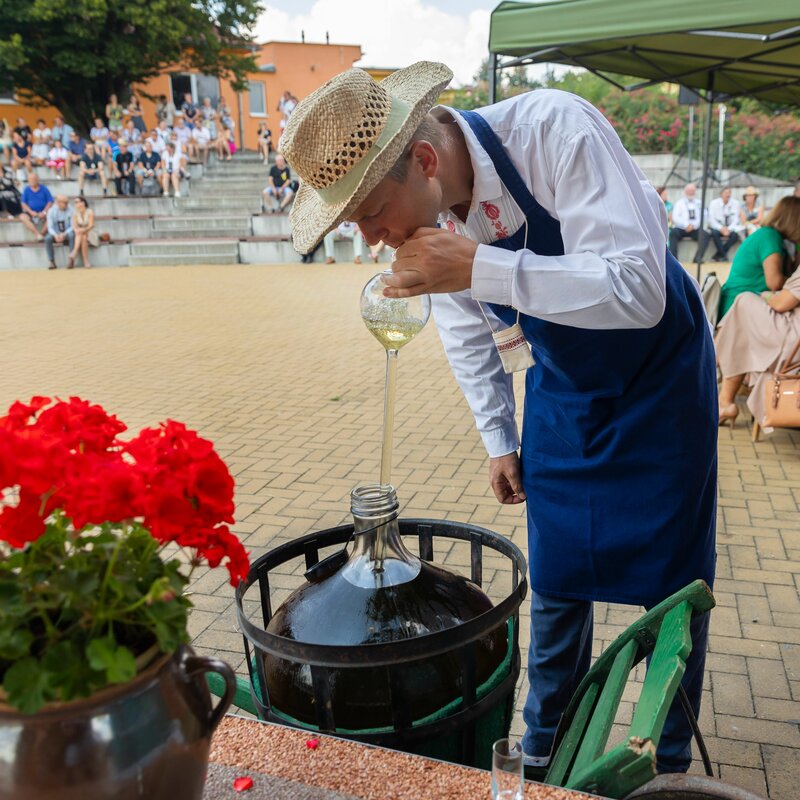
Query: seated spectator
[[182, 133], [99, 137], [165, 111], [189, 111], [375, 251], [346, 231], [113, 151], [759, 264], [60, 132], [148, 166], [264, 142], [163, 133], [231, 142], [58, 160], [36, 201], [91, 169], [59, 229], [725, 223], [758, 333], [223, 144], [173, 165], [751, 212], [76, 148], [21, 153], [11, 202], [136, 114], [6, 143], [199, 144], [157, 144], [686, 222], [114, 114], [225, 116], [23, 130], [124, 178], [279, 185], [133, 138], [85, 234], [41, 143], [209, 116]]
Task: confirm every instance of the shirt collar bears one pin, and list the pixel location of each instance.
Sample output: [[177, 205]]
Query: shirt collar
[[486, 183]]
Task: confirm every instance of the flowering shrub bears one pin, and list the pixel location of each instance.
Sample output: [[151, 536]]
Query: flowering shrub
[[85, 520]]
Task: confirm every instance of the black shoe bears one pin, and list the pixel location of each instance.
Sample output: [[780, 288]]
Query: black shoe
[[537, 774]]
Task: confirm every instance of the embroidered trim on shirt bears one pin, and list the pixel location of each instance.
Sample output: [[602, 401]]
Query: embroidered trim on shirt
[[492, 212]]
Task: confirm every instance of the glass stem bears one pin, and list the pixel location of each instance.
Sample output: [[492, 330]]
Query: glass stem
[[388, 417]]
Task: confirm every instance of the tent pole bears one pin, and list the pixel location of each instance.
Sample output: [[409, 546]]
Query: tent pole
[[492, 78], [691, 136], [701, 233]]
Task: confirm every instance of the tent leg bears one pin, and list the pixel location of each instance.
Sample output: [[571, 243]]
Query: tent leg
[[701, 233], [492, 78]]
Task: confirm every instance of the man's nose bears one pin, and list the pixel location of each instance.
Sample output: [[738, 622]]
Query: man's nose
[[372, 233]]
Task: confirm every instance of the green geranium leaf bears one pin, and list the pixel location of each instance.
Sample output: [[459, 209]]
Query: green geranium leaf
[[105, 655], [27, 685], [70, 674], [14, 644]]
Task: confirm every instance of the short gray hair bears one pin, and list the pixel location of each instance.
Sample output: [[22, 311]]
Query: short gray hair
[[429, 130]]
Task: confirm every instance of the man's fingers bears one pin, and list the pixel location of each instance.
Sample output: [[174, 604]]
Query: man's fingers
[[420, 232], [404, 278]]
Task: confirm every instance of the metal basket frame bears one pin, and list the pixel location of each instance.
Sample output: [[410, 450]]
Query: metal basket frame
[[393, 655]]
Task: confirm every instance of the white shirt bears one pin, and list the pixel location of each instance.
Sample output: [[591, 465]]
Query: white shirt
[[724, 215], [613, 273], [685, 212], [201, 135], [157, 143]]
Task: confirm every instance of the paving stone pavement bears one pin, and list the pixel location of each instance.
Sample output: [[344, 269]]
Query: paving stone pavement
[[274, 364]]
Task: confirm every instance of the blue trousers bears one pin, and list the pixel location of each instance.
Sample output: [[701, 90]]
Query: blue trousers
[[559, 657]]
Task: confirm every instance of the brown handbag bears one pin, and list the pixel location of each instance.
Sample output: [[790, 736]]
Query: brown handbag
[[782, 394]]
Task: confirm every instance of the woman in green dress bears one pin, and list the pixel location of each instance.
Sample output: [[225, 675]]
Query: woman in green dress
[[760, 263]]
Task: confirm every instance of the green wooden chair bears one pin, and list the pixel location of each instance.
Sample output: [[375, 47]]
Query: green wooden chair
[[580, 760]]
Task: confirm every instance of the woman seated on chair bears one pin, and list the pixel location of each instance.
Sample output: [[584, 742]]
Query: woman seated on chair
[[755, 337], [759, 263]]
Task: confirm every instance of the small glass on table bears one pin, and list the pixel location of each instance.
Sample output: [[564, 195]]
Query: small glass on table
[[507, 771]]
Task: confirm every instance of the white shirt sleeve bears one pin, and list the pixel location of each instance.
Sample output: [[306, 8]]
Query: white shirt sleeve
[[715, 210], [468, 342], [613, 272], [736, 217]]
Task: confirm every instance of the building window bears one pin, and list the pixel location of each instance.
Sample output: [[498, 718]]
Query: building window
[[198, 86], [258, 99]]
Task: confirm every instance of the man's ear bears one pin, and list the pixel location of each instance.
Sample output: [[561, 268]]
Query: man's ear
[[425, 158]]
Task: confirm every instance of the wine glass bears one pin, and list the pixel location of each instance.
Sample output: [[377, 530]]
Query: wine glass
[[394, 322], [507, 770]]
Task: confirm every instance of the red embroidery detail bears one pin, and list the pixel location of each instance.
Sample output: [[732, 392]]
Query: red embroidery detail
[[491, 210], [451, 226], [511, 345]]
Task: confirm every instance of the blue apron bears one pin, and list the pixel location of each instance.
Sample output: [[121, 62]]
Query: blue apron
[[619, 437]]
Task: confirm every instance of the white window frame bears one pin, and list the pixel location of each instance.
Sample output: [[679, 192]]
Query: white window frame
[[263, 96]]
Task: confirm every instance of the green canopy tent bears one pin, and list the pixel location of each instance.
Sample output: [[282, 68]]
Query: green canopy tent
[[719, 48]]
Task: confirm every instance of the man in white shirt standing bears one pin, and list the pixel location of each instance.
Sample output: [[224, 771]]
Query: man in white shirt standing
[[547, 232], [686, 222], [724, 222]]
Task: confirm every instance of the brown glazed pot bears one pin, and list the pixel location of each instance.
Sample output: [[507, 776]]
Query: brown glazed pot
[[143, 740]]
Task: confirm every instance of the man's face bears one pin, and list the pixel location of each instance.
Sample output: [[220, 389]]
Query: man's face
[[280, 162], [89, 150], [725, 194], [33, 180], [690, 190], [98, 123], [393, 211], [123, 148], [73, 137], [58, 122], [148, 146], [62, 203]]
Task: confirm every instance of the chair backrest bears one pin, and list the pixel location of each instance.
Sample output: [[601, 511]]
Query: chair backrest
[[580, 760], [711, 291]]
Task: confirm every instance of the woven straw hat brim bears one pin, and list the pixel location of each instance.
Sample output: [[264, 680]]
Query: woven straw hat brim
[[419, 86]]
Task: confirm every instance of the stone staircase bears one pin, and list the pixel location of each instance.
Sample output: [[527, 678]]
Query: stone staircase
[[184, 251]]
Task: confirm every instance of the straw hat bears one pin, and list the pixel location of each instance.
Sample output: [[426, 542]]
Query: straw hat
[[750, 190], [344, 137]]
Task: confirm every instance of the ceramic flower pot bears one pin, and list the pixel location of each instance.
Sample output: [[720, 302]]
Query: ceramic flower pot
[[147, 739]]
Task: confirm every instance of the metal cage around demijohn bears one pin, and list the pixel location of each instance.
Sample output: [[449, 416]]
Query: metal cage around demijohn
[[466, 728]]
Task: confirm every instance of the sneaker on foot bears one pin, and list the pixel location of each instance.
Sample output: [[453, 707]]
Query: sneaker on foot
[[177, 194], [52, 265]]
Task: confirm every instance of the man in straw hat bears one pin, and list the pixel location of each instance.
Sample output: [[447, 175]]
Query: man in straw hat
[[545, 222]]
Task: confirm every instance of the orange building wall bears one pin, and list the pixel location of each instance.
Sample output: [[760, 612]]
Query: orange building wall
[[299, 68]]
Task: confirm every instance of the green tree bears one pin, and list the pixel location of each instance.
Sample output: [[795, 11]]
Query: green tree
[[73, 55]]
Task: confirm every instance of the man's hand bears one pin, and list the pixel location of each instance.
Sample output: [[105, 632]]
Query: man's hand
[[725, 231], [59, 237], [431, 261], [689, 228], [505, 479]]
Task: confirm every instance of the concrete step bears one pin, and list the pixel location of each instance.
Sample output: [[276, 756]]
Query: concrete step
[[271, 225], [174, 260], [249, 181], [235, 204], [206, 223], [200, 232], [188, 247]]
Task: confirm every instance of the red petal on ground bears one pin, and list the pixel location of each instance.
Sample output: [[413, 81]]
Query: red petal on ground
[[243, 784], [312, 744]]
